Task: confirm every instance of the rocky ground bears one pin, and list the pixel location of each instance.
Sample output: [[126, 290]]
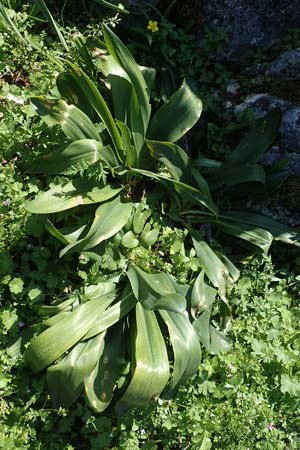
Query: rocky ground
[[270, 29], [263, 27]]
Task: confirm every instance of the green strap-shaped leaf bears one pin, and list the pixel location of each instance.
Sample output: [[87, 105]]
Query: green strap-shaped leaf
[[74, 122], [173, 158], [186, 346], [129, 149], [279, 231], [65, 379], [121, 92], [78, 155], [59, 338], [213, 267], [191, 193], [66, 239], [175, 117], [201, 182], [258, 140], [107, 65], [61, 197], [215, 341], [155, 291], [96, 101], [90, 292], [234, 273], [100, 384], [149, 74], [109, 219], [136, 126], [151, 371], [73, 95], [234, 175], [113, 314], [65, 306], [256, 236], [202, 295], [202, 299], [139, 106]]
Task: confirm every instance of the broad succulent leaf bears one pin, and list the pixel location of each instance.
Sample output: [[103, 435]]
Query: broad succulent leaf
[[185, 344], [65, 379], [61, 197], [151, 365], [175, 117], [109, 219], [76, 156], [74, 122], [155, 291]]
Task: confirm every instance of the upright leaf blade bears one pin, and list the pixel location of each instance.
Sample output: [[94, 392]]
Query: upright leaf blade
[[279, 231], [113, 314], [175, 117], [53, 343], [151, 371], [235, 175], [192, 194], [155, 291], [97, 102], [256, 236], [186, 346], [65, 379], [121, 92], [257, 140], [100, 384], [140, 95], [214, 341], [213, 267], [202, 295]]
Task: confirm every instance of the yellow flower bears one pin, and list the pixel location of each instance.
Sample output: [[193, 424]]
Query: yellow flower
[[152, 26]]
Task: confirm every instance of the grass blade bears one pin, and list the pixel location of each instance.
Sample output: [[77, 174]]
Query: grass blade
[[43, 8]]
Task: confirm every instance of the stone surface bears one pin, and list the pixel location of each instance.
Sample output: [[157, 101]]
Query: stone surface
[[286, 65], [135, 3], [278, 212], [260, 104], [277, 154], [251, 23]]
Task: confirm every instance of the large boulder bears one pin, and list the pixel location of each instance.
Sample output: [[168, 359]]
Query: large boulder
[[251, 23], [287, 65]]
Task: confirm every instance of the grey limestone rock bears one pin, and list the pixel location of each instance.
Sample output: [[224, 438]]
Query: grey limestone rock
[[286, 65], [251, 23]]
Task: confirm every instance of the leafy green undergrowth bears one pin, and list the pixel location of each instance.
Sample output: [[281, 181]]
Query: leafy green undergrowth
[[248, 398], [245, 399]]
